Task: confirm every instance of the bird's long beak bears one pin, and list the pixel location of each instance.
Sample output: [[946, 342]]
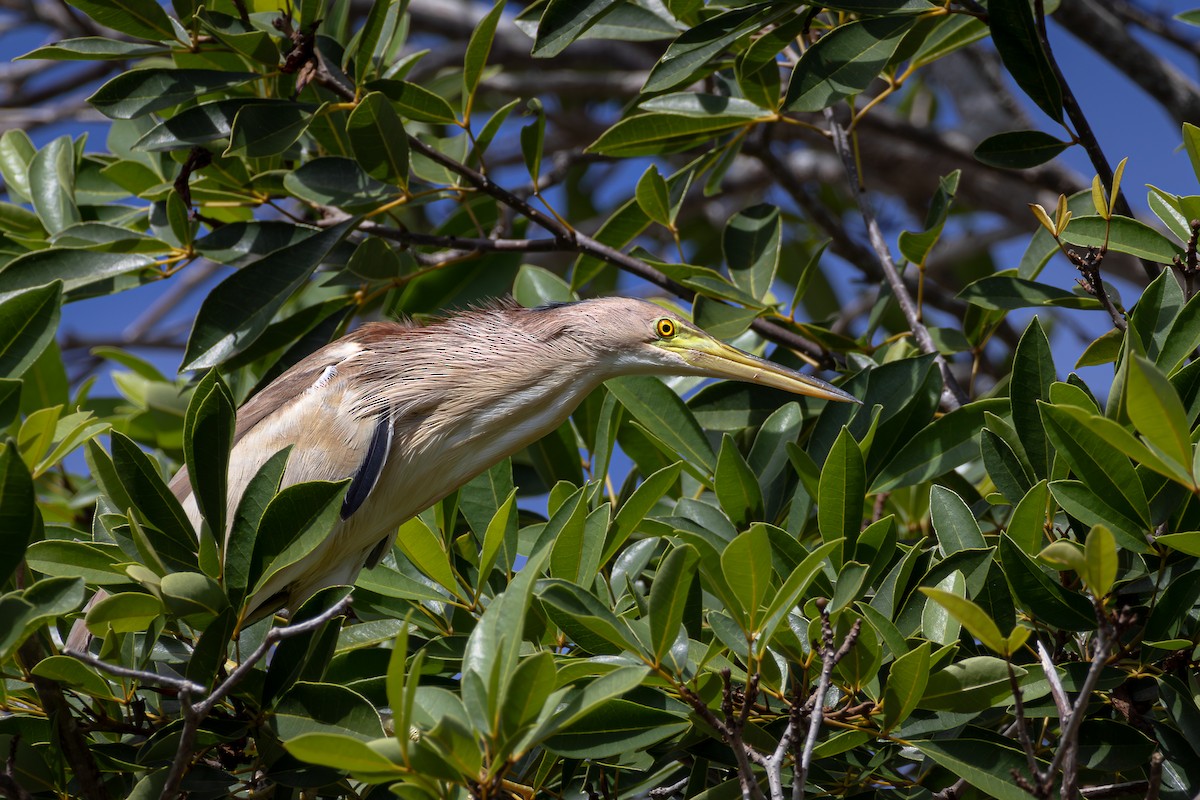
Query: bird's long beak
[[715, 359]]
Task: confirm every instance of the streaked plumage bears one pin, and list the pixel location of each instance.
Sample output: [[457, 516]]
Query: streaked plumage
[[411, 413]]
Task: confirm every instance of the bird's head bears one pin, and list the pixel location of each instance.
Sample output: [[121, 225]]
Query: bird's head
[[640, 337]]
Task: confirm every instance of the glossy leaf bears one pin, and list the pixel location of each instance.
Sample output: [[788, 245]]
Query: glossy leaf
[[1019, 149], [751, 244], [668, 597], [564, 21], [28, 321], [843, 484], [736, 485], [139, 92], [1014, 33], [144, 19], [378, 138], [238, 310], [844, 62]]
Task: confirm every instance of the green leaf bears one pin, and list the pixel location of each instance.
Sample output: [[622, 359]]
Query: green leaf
[[187, 594], [953, 522], [19, 516], [1027, 525], [844, 62], [28, 322], [1090, 508], [1014, 32], [566, 531], [841, 491], [1040, 596], [652, 196], [1003, 465], [139, 92], [144, 19], [498, 530], [793, 587], [266, 129], [906, 683], [238, 309], [383, 15], [916, 246], [666, 416], [1101, 558], [533, 139], [125, 612], [311, 707], [736, 485], [415, 102], [1124, 235], [589, 623], [52, 185], [1157, 412], [476, 55], [208, 429], [564, 21], [1102, 467], [668, 597], [152, 498], [243, 531], [1032, 374], [95, 563], [293, 526], [1019, 149], [95, 48], [378, 139], [424, 548], [84, 273], [1006, 292], [617, 726], [984, 764], [1191, 143], [937, 624], [654, 133], [342, 752], [972, 684], [695, 104], [746, 565], [337, 181], [939, 447], [971, 616], [751, 244], [637, 506], [694, 50]]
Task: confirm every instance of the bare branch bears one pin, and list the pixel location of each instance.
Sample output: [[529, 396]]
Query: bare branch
[[952, 395]]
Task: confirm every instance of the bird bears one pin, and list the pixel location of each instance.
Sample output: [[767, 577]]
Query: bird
[[410, 412]]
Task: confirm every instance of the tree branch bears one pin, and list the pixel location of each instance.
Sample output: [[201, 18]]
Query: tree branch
[[196, 711], [952, 394]]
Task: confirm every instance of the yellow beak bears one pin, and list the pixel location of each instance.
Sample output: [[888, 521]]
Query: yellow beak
[[715, 359]]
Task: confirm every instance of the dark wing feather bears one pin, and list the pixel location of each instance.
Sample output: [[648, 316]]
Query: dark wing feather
[[371, 468]]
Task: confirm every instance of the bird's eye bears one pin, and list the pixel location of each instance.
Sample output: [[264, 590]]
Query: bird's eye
[[665, 328]]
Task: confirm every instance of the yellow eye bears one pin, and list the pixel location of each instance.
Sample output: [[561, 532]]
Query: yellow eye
[[665, 328]]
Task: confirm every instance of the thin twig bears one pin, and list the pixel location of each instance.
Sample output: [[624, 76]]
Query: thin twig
[[952, 394], [141, 676], [1067, 752], [195, 712], [829, 660], [1022, 730]]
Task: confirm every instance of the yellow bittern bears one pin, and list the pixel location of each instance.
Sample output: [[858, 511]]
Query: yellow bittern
[[410, 413]]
